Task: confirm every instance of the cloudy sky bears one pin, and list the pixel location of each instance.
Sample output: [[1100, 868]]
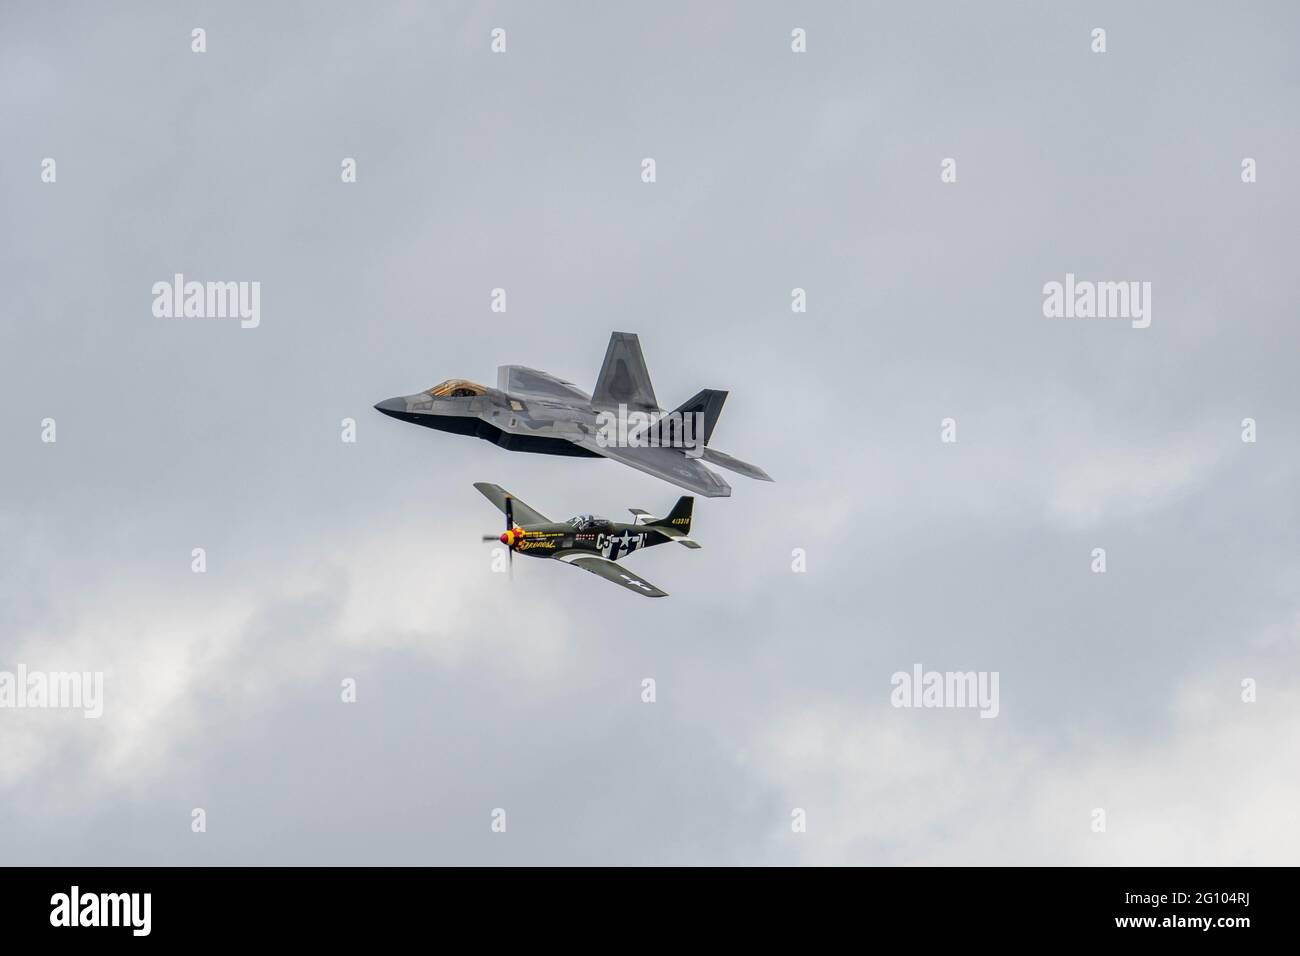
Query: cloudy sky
[[776, 170]]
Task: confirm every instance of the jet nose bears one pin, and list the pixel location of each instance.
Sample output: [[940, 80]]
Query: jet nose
[[392, 406]]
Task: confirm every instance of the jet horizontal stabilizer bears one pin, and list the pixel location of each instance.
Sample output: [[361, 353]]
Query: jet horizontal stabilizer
[[723, 460]]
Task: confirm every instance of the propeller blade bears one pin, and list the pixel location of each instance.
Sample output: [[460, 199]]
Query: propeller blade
[[491, 537], [510, 524]]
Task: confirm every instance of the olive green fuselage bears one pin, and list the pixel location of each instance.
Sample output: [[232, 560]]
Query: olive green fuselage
[[611, 540]]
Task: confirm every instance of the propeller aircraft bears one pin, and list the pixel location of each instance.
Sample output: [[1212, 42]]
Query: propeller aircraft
[[589, 541]]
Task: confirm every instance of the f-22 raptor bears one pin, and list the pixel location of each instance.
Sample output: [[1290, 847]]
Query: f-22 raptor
[[537, 412], [589, 541]]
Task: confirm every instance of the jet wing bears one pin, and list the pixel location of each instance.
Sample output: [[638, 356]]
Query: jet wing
[[612, 571], [523, 514], [525, 382], [670, 464]]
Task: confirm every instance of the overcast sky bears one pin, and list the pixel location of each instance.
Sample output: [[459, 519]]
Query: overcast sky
[[775, 170]]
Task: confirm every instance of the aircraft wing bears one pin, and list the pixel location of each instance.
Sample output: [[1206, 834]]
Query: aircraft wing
[[527, 382], [523, 514], [612, 571], [670, 464]]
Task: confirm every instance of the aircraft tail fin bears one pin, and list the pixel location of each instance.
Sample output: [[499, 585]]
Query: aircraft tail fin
[[698, 415], [677, 523], [624, 379]]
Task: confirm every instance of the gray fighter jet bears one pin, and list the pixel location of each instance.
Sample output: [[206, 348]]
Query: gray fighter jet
[[537, 412]]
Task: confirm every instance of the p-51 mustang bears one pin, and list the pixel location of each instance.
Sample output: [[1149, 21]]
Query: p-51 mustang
[[587, 541], [535, 411]]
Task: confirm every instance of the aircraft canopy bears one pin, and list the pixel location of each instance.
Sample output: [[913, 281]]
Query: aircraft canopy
[[457, 388]]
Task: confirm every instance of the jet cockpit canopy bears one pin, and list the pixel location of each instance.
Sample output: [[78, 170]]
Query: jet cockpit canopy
[[457, 388]]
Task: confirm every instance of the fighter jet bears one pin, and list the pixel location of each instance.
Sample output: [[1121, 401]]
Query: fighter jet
[[588, 541], [537, 412]]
